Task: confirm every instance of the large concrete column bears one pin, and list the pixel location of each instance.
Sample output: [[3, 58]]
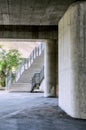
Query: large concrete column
[[72, 61], [50, 68]]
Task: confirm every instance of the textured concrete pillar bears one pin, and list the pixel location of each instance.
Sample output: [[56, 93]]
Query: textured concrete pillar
[[50, 68], [72, 61]]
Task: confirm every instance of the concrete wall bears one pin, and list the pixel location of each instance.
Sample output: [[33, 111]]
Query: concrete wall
[[72, 61], [50, 68], [42, 85], [57, 68]]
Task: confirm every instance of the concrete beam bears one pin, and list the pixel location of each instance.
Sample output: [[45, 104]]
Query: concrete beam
[[28, 32]]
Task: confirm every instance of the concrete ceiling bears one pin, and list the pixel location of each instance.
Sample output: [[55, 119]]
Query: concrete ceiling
[[32, 12]]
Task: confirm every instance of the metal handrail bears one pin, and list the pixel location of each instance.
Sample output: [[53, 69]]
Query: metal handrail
[[8, 80], [37, 79], [25, 64]]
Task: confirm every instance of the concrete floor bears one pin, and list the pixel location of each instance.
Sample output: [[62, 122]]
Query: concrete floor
[[25, 111]]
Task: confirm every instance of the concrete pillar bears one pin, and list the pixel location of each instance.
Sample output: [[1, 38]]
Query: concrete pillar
[[50, 68], [72, 61]]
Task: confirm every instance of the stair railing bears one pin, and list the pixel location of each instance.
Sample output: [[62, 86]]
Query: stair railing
[[25, 64], [37, 79], [8, 80]]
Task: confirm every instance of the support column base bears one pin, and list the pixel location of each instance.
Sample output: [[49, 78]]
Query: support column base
[[49, 95]]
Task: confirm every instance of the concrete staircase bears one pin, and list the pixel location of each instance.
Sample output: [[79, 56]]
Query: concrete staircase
[[24, 82]]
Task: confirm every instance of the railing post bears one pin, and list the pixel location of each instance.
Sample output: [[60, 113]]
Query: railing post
[[35, 53], [8, 80], [38, 51]]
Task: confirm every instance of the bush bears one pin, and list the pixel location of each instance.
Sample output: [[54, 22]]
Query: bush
[[8, 60]]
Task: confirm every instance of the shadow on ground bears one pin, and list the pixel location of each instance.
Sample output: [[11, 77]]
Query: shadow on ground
[[40, 113]]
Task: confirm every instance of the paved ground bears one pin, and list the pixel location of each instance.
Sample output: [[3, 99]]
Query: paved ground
[[25, 111]]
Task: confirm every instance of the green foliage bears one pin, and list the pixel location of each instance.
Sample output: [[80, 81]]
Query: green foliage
[[13, 58], [8, 60]]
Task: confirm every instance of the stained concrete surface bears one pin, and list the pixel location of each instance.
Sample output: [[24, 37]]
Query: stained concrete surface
[[31, 111], [71, 62], [32, 12]]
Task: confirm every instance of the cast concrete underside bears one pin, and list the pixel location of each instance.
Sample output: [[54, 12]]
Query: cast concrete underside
[[32, 12], [31, 19]]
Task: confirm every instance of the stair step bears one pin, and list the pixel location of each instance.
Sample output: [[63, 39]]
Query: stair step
[[24, 83], [20, 87]]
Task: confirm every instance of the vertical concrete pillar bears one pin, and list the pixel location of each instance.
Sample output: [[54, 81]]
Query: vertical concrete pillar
[[72, 61], [50, 68]]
